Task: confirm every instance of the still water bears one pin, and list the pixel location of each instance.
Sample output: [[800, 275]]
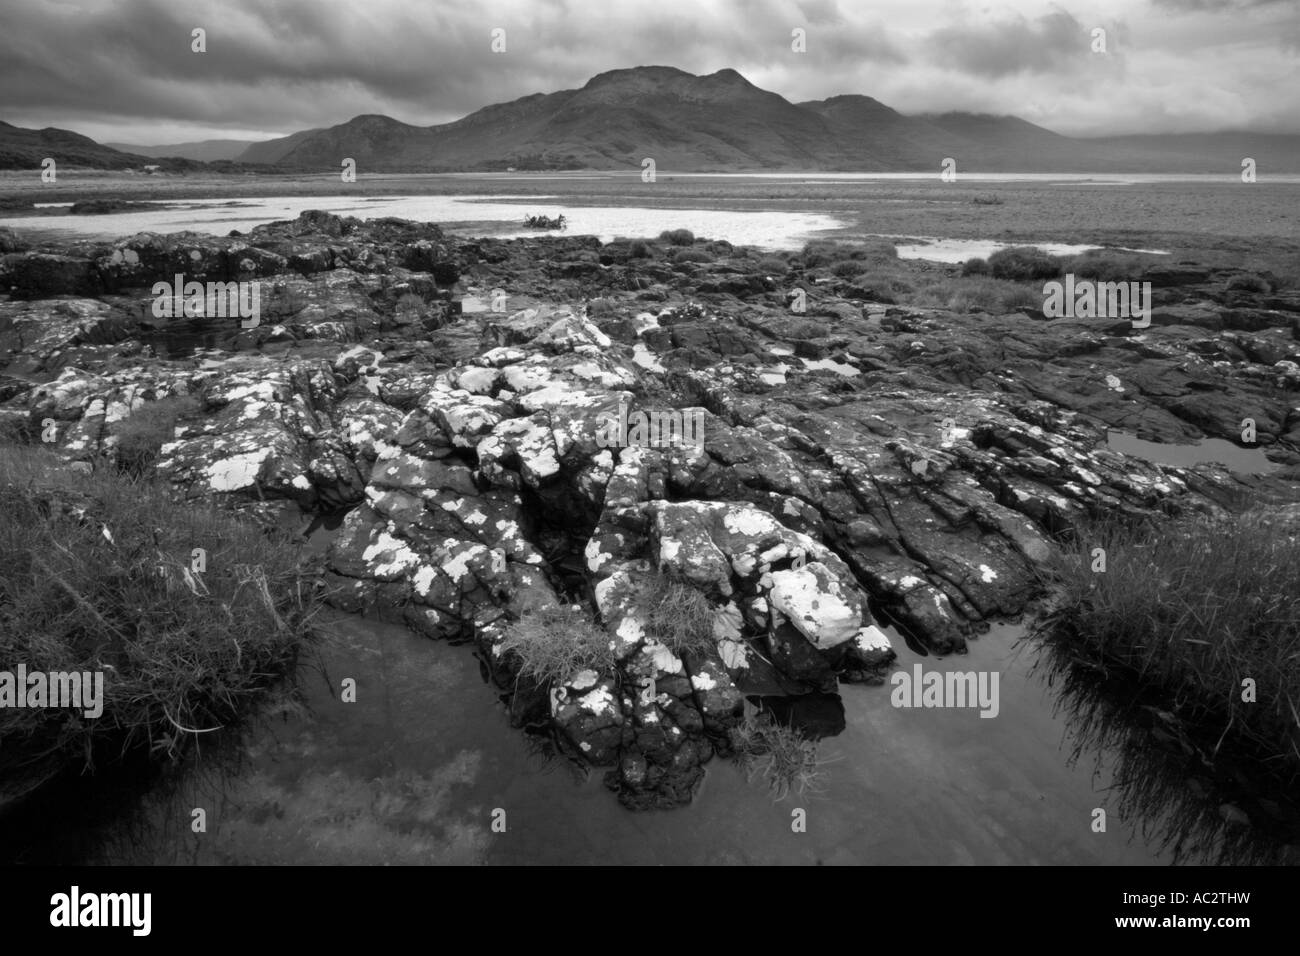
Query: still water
[[501, 216], [413, 771], [1246, 461]]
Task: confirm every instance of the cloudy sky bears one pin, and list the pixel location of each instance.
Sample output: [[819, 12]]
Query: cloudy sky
[[124, 71]]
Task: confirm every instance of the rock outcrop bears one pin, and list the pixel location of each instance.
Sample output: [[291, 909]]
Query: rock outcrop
[[859, 465]]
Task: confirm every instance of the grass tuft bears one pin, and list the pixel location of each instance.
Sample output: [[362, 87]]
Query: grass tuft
[[678, 616], [97, 574], [677, 237], [977, 293], [554, 643], [1023, 264], [141, 436], [1193, 609], [782, 756]]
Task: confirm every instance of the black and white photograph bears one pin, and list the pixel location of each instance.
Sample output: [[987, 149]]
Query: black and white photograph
[[549, 433]]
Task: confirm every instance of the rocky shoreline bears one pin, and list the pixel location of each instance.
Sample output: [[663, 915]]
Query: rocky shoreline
[[862, 462]]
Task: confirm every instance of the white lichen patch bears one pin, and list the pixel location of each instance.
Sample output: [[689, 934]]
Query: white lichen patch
[[389, 556], [457, 567], [631, 630], [424, 579], [750, 522], [238, 471], [525, 378], [477, 380], [734, 654], [816, 607], [595, 556], [872, 640], [598, 701], [703, 682], [664, 660]]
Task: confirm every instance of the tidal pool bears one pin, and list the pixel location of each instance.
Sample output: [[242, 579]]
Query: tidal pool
[[938, 249], [470, 215], [1246, 461], [417, 769]]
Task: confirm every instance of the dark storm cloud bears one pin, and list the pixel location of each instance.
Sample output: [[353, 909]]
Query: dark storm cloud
[[297, 63], [123, 69], [1015, 45]]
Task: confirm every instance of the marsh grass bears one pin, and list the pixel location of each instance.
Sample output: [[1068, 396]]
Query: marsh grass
[[678, 616], [848, 268], [96, 574], [1162, 777], [1192, 609], [977, 293], [1109, 265], [828, 252], [1024, 263], [552, 643], [692, 254], [677, 237], [140, 437], [785, 759], [1249, 283]]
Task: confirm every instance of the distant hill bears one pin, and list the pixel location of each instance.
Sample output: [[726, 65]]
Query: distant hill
[[27, 148], [715, 122], [1193, 152], [274, 150], [204, 151], [723, 123], [686, 123]]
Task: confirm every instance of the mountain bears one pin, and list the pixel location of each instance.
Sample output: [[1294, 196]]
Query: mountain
[[686, 123], [27, 148], [870, 132], [204, 151], [274, 150], [715, 122], [723, 123]]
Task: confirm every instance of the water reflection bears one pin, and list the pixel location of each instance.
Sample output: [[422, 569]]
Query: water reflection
[[412, 772], [1166, 778]]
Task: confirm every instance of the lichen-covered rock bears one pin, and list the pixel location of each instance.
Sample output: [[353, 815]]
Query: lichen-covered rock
[[917, 459]]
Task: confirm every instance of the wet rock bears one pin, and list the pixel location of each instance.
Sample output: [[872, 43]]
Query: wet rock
[[927, 484], [31, 274]]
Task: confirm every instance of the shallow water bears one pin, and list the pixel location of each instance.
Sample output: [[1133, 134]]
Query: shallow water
[[938, 249], [490, 215], [1246, 461], [830, 365], [414, 770], [768, 230]]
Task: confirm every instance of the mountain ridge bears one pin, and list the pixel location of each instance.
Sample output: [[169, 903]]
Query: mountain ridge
[[721, 122], [716, 122]]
